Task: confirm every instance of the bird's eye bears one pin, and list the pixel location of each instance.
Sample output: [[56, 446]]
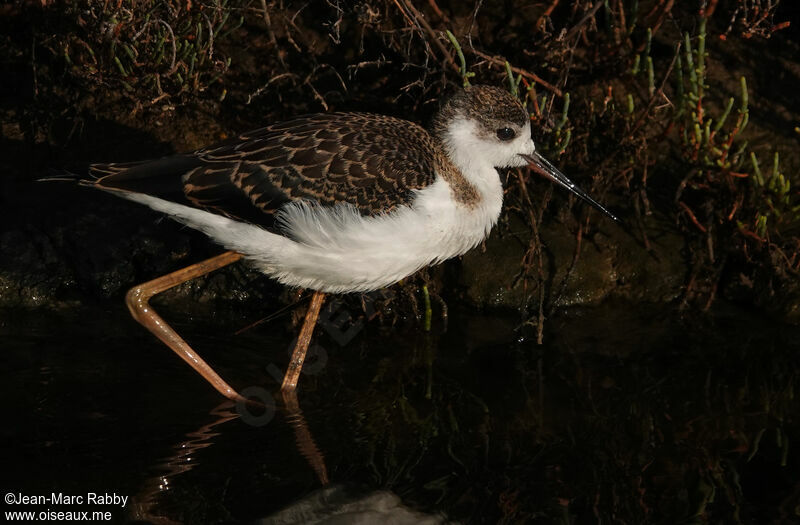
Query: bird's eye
[[506, 134]]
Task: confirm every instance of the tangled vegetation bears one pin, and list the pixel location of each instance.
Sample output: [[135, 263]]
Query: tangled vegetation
[[621, 93]]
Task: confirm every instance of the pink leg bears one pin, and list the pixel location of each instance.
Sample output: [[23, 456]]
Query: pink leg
[[303, 340], [137, 301]]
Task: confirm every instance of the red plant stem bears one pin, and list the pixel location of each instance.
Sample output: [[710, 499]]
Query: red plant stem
[[692, 217], [735, 207], [752, 235], [778, 27], [547, 12], [438, 11], [525, 74], [709, 10]]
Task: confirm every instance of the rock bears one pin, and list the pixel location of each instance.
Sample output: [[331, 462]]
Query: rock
[[611, 263]]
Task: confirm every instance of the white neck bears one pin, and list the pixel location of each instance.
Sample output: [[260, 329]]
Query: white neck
[[469, 154]]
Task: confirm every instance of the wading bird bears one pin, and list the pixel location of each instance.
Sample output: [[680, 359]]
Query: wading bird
[[337, 202]]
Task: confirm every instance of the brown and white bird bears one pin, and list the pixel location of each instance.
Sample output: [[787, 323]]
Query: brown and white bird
[[338, 202]]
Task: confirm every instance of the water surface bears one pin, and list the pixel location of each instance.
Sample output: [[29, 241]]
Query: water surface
[[626, 414]]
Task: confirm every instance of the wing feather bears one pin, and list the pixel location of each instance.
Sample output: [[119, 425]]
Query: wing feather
[[373, 162]]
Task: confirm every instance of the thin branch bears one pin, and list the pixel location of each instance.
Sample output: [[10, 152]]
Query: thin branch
[[692, 216], [420, 22], [526, 74], [572, 32]]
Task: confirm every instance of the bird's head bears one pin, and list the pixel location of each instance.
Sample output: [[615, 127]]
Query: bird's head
[[482, 125], [485, 124]]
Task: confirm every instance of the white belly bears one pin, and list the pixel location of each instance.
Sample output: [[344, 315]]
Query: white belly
[[338, 250]]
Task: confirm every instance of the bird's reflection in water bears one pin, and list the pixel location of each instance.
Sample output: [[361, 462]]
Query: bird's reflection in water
[[303, 438], [145, 505]]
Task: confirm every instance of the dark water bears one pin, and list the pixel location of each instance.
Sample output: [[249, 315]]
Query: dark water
[[625, 415]]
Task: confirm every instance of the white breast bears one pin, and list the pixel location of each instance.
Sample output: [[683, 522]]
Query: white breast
[[335, 249], [338, 250]]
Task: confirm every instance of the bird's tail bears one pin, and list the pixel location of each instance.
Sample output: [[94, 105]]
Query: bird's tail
[[65, 176]]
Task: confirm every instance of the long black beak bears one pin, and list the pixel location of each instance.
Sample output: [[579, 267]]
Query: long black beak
[[543, 167]]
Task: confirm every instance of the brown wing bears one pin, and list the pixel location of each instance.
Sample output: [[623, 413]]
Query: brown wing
[[373, 162]]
